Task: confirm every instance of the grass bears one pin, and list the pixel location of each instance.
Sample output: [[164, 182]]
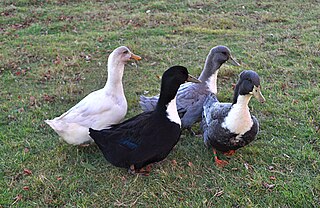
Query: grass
[[44, 71]]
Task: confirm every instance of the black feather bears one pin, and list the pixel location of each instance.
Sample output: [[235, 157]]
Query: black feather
[[148, 137]]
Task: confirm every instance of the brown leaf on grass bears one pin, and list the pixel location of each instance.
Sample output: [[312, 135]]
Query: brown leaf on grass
[[268, 186], [174, 162], [59, 178], [32, 101], [20, 110], [123, 178], [219, 193], [190, 164], [57, 61], [17, 198], [26, 150], [48, 98], [47, 75], [271, 167], [100, 39], [272, 177], [27, 171], [284, 86], [26, 188]]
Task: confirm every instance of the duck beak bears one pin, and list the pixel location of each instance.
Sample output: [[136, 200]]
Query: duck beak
[[135, 57], [192, 79], [232, 61], [257, 94]]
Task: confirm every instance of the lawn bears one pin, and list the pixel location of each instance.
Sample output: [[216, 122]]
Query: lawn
[[54, 52]]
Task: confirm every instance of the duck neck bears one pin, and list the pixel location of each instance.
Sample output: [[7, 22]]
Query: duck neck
[[167, 103], [242, 101], [210, 67], [212, 82], [172, 112], [209, 74], [115, 74], [239, 119]]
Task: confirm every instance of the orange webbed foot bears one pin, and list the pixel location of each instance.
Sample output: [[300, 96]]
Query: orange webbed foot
[[143, 171], [219, 163], [229, 153]]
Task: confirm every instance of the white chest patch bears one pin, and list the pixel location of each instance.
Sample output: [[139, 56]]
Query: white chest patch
[[172, 113], [238, 120], [212, 83]]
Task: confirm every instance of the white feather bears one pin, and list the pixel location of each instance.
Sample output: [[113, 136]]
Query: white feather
[[98, 110], [239, 120], [212, 82], [172, 113]]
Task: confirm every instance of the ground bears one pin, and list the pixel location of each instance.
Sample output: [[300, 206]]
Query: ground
[[54, 52]]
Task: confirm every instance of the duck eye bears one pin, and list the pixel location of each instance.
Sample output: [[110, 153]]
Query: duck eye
[[125, 52], [224, 53]]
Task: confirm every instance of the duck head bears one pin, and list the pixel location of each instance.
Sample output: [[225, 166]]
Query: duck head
[[248, 84], [123, 54], [120, 56], [116, 62], [171, 80], [222, 54], [217, 56]]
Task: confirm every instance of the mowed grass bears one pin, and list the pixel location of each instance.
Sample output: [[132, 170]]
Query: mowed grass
[[54, 52]]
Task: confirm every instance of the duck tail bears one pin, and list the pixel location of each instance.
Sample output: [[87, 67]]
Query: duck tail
[[148, 103], [96, 135], [55, 125]]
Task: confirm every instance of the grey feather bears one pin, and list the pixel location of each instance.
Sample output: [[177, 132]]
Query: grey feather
[[218, 135], [190, 96]]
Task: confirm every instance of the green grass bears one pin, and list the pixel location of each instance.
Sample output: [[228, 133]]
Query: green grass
[[43, 73]]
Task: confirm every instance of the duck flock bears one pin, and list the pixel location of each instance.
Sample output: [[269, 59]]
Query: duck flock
[[184, 100]]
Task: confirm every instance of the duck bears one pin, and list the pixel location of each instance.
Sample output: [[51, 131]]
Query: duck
[[190, 96], [227, 127], [100, 108], [147, 137]]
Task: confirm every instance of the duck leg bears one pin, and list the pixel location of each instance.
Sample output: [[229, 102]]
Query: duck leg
[[229, 153], [219, 163], [143, 171]]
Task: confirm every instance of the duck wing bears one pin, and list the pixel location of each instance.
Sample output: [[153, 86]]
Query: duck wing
[[213, 116], [190, 98], [148, 103], [87, 110], [120, 143], [140, 140], [127, 133]]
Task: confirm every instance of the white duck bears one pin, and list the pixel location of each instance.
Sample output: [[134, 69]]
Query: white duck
[[100, 108]]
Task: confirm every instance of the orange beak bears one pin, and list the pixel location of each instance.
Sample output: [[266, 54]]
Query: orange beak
[[135, 57]]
